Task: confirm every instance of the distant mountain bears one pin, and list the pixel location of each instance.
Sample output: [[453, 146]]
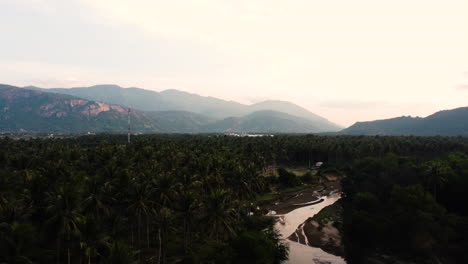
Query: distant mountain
[[132, 97], [209, 106], [182, 101], [38, 110], [23, 110], [265, 121], [445, 123], [74, 110], [321, 124]]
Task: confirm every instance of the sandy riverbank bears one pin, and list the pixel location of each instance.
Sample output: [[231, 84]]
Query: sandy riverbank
[[302, 253], [305, 197]]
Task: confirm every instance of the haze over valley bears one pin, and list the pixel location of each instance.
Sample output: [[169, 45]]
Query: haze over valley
[[104, 108]]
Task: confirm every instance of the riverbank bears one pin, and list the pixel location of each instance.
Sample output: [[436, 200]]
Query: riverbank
[[306, 223], [323, 230], [304, 253], [288, 202]]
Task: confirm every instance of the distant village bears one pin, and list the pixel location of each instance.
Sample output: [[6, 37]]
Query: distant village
[[246, 135]]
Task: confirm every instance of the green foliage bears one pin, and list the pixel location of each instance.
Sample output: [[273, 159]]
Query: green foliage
[[120, 253], [391, 208], [332, 212], [309, 178], [160, 199], [287, 178], [259, 247], [170, 198]]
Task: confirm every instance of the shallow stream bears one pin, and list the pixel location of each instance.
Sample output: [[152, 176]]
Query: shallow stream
[[299, 253]]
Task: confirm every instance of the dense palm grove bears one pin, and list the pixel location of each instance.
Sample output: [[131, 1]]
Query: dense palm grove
[[187, 199], [407, 209]]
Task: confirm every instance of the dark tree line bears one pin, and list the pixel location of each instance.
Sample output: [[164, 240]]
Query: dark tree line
[[187, 199], [158, 200], [407, 209]]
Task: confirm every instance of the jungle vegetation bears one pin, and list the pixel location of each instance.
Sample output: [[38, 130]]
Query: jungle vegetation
[[188, 198]]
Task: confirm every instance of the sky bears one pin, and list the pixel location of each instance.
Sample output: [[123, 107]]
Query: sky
[[345, 60]]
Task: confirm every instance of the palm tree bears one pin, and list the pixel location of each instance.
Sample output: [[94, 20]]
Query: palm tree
[[163, 194], [186, 205], [64, 214], [163, 216], [92, 236], [120, 253], [219, 214], [17, 240], [435, 173], [95, 198], [140, 204]]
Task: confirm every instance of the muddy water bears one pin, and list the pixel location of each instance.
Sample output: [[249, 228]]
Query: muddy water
[[299, 253]]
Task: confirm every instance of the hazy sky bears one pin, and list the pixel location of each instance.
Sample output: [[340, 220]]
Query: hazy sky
[[345, 60]]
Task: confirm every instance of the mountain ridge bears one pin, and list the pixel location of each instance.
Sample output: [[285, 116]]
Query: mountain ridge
[[261, 122], [172, 99], [37, 110], [24, 110], [452, 122]]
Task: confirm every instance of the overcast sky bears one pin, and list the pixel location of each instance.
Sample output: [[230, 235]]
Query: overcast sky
[[345, 60]]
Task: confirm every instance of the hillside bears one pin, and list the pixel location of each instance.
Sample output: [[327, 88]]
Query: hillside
[[320, 124], [131, 97], [266, 121], [35, 110], [445, 123], [25, 110], [174, 100]]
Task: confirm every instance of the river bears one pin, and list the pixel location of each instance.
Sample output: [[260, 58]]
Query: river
[[299, 253]]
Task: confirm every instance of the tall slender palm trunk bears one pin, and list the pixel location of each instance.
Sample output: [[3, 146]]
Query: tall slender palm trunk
[[147, 232], [139, 236], [68, 252], [160, 246], [58, 250], [186, 233]]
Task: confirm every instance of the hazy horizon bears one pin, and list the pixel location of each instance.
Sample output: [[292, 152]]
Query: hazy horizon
[[345, 61], [250, 103]]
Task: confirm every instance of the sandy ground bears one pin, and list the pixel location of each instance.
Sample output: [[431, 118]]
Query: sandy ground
[[301, 198], [327, 238]]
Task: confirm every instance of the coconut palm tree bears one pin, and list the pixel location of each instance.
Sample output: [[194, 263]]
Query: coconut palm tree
[[139, 205], [435, 173], [16, 242], [120, 253], [163, 194], [92, 236], [219, 214], [64, 212], [187, 206]]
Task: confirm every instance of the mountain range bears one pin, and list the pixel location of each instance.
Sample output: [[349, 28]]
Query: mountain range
[[444, 123], [169, 100], [103, 108]]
